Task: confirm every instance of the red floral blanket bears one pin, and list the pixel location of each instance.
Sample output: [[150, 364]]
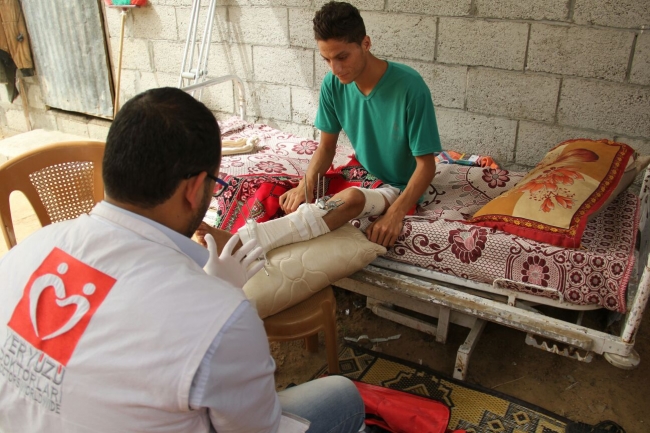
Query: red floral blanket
[[257, 196]]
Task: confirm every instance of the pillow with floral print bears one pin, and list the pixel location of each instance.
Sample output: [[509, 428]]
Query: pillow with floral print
[[553, 202]]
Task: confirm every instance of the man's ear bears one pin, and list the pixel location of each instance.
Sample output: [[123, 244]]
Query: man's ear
[[365, 43], [194, 189]]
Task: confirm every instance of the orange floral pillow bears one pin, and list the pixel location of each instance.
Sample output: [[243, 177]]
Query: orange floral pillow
[[553, 202]]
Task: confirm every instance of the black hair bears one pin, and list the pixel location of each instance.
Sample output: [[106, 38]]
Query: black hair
[[339, 20], [158, 138]]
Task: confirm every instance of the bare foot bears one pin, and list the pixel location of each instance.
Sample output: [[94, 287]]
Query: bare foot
[[199, 234], [221, 237]]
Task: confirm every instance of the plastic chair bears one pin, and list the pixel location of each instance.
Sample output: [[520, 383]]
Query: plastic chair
[[305, 320], [61, 182]]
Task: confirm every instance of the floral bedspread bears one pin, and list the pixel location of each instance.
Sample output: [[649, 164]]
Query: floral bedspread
[[437, 237]]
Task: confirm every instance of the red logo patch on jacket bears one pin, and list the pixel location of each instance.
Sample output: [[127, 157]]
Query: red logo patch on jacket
[[58, 302]]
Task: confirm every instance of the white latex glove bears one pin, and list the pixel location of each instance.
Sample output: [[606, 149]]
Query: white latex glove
[[235, 268]]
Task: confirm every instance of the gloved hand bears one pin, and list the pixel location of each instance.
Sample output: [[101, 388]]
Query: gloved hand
[[235, 268]]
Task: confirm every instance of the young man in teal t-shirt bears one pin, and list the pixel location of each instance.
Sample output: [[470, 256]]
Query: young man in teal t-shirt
[[385, 108]]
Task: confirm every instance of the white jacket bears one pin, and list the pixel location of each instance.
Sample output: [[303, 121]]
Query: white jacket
[[103, 324]]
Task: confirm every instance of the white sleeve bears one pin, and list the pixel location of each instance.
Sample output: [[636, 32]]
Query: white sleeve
[[235, 380]]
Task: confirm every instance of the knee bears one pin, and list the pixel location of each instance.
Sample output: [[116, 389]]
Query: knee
[[344, 390], [353, 198]]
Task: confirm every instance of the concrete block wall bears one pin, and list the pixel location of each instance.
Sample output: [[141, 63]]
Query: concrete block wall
[[509, 78]]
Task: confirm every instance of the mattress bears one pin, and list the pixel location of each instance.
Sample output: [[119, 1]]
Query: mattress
[[437, 237]]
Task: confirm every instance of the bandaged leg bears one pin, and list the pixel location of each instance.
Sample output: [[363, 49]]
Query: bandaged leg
[[303, 224], [376, 200]]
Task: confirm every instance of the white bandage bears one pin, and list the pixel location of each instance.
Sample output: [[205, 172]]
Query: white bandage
[[308, 220], [303, 224], [375, 202]]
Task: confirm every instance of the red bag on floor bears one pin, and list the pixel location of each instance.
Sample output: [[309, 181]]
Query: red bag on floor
[[401, 412]]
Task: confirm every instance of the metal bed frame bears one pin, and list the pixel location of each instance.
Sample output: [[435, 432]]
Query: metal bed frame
[[470, 304]]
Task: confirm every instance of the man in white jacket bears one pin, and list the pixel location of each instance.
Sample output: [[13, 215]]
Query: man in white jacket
[[109, 322]]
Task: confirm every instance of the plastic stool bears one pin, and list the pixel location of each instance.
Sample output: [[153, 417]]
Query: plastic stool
[[304, 320]]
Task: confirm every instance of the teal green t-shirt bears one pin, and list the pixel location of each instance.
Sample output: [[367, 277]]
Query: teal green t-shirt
[[387, 128]]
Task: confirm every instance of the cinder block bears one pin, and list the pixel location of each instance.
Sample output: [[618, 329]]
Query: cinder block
[[145, 81], [304, 104], [512, 94], [553, 10], [301, 28], [535, 139], [439, 8], [473, 133], [67, 125], [321, 68], [100, 122], [619, 13], [291, 3], [231, 59], [222, 117], [581, 51], [97, 131], [113, 20], [128, 85], [293, 66], [166, 80], [269, 100], [4, 93], [16, 120], [155, 23], [42, 119], [641, 65], [362, 5], [167, 56], [299, 130], [35, 97], [218, 98], [447, 83], [259, 26], [220, 29], [605, 106], [173, 2], [5, 106], [412, 36], [135, 54], [482, 43], [18, 100]]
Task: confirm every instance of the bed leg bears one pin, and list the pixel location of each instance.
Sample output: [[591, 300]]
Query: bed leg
[[386, 311], [443, 325], [466, 349], [628, 362]]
